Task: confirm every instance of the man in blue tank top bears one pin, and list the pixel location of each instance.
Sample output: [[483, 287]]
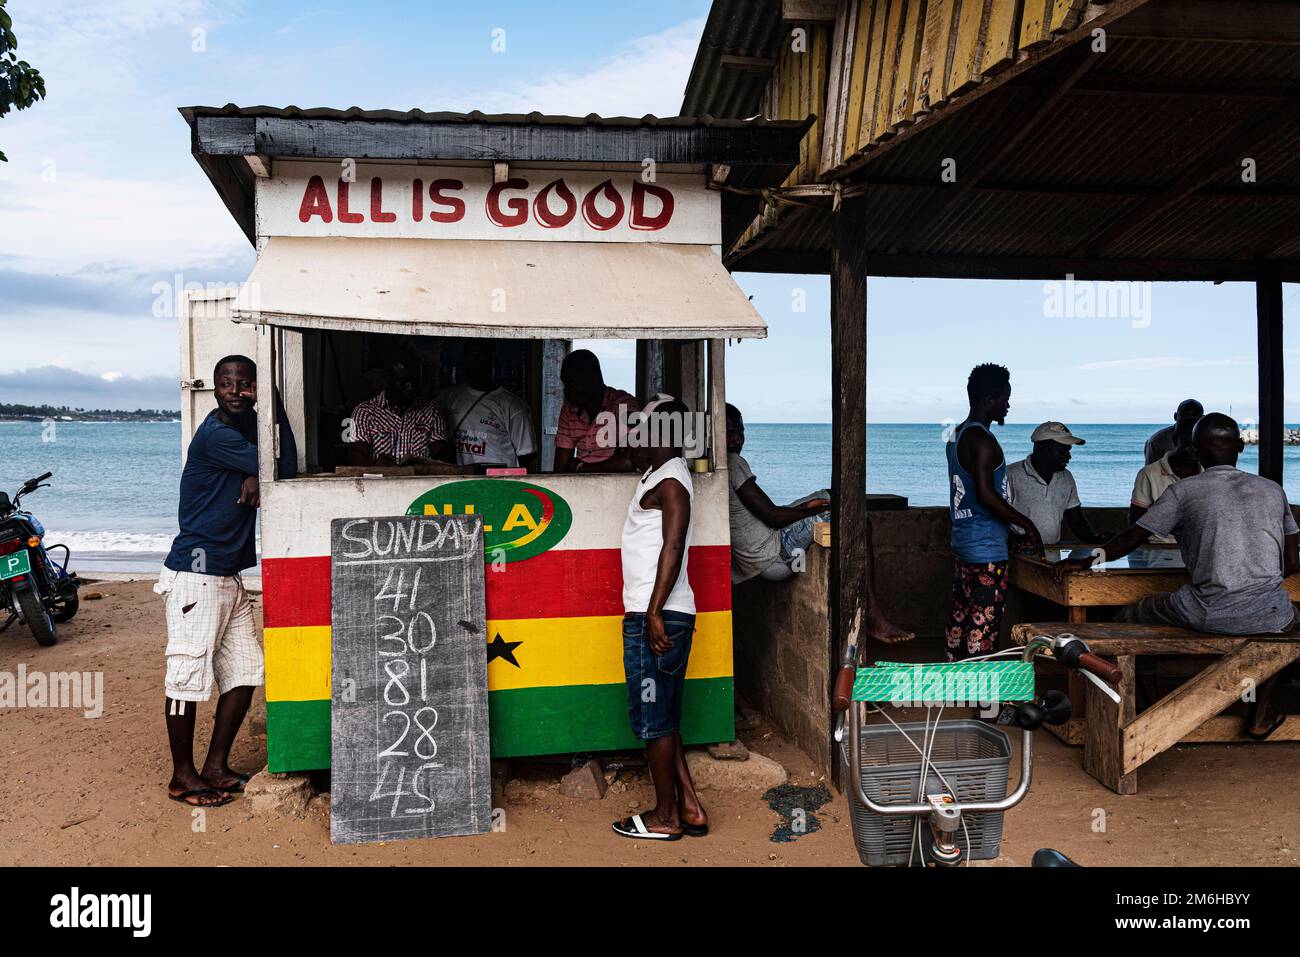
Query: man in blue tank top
[[977, 505]]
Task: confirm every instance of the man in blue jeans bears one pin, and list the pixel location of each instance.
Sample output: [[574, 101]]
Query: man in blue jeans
[[659, 620]]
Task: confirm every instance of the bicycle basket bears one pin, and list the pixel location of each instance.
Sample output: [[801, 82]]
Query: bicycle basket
[[974, 759]]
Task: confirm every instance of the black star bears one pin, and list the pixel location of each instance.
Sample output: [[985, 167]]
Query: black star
[[499, 648]]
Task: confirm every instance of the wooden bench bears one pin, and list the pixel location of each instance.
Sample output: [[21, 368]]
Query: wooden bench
[[1118, 741]]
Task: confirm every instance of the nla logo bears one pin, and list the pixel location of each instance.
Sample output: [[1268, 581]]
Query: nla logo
[[520, 519]]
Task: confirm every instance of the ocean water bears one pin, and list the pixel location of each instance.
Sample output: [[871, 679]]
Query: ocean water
[[114, 491], [790, 461], [114, 488]]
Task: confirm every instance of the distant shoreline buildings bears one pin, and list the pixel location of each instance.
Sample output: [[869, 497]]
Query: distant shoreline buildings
[[1289, 436], [49, 413]]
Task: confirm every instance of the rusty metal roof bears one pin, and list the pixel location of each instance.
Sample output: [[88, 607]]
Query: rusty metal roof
[[747, 28], [520, 119], [1170, 157]]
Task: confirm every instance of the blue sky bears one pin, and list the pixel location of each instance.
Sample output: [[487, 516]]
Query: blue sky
[[101, 201]]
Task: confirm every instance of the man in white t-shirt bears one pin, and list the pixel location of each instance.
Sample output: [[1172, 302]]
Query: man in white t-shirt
[[486, 424]]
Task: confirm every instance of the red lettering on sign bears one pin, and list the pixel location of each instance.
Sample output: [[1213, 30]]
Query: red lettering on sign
[[456, 205], [344, 215], [315, 202], [597, 220], [417, 199], [518, 214], [377, 214], [542, 210], [638, 219]]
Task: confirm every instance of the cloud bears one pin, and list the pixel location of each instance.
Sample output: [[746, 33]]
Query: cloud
[[54, 385], [76, 221], [115, 288], [647, 75], [1162, 362]]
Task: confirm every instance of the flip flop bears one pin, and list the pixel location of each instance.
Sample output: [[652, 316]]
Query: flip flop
[[200, 792], [695, 830], [635, 828], [1264, 735]]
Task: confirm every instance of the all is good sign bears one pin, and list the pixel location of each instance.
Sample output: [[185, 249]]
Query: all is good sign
[[446, 202]]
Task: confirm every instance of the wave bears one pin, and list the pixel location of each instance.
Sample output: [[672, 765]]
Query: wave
[[110, 541]]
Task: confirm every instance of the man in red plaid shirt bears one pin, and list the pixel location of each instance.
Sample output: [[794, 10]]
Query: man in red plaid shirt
[[398, 427]]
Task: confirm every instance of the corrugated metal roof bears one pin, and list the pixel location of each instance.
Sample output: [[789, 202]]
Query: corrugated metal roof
[[516, 119], [1117, 175], [750, 28]]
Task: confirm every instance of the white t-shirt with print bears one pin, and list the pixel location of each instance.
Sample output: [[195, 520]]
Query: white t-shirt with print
[[493, 428]]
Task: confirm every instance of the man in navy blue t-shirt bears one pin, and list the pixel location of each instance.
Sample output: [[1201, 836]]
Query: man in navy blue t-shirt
[[211, 636]]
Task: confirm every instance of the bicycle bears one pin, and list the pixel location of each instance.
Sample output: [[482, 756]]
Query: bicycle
[[958, 787]]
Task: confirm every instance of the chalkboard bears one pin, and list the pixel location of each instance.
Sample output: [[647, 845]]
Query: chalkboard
[[409, 716]]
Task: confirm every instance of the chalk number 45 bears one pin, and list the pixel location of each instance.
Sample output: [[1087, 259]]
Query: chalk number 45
[[399, 789]]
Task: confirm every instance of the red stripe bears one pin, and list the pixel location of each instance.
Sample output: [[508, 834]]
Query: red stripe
[[295, 592], [569, 583]]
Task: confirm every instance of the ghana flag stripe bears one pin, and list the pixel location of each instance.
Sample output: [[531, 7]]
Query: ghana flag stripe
[[562, 583], [524, 722], [522, 653]]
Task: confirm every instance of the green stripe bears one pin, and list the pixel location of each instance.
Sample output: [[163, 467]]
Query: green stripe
[[297, 735], [524, 721]]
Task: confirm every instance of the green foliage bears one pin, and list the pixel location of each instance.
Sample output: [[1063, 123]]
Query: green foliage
[[21, 84]]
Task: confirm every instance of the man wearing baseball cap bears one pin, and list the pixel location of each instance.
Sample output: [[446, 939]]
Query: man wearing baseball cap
[[1042, 488]]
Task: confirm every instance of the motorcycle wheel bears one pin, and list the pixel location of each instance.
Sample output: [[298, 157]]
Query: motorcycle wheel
[[66, 609], [37, 618]]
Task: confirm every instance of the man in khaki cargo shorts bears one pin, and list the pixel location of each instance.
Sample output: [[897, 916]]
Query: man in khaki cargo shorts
[[211, 635]]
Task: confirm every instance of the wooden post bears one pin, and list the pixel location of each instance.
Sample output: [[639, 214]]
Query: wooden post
[[850, 538], [551, 397], [1268, 317]]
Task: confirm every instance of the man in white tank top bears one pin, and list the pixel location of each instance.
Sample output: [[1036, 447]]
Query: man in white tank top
[[659, 621]]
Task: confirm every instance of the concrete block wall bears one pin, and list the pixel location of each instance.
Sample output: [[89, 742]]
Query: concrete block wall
[[780, 640]]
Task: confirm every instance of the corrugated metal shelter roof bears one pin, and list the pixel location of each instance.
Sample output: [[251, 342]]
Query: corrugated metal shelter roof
[[1173, 154], [739, 30]]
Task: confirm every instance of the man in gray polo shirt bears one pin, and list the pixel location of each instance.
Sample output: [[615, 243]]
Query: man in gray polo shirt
[[1238, 539], [1042, 489]]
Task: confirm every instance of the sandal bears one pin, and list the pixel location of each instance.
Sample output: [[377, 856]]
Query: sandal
[[1273, 726], [695, 830], [184, 797], [635, 828]]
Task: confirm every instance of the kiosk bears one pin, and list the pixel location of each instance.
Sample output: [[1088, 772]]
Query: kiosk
[[426, 229]]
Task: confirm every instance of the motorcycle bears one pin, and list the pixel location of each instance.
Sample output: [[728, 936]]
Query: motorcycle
[[34, 588]]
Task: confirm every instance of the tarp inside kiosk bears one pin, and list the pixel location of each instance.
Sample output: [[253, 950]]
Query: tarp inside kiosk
[[516, 289]]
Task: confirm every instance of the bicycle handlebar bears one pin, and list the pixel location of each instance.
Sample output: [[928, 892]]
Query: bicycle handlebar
[[843, 694], [1100, 667]]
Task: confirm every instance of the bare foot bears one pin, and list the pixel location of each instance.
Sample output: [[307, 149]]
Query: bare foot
[[224, 779], [652, 823], [693, 815], [883, 630]]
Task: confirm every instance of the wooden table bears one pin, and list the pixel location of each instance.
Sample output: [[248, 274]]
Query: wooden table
[[1119, 740], [1114, 584]]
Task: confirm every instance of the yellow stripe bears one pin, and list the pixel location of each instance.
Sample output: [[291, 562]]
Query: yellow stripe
[[589, 651], [552, 652], [297, 663]]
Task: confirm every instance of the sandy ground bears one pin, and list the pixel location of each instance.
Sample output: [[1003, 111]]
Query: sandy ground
[[78, 791]]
